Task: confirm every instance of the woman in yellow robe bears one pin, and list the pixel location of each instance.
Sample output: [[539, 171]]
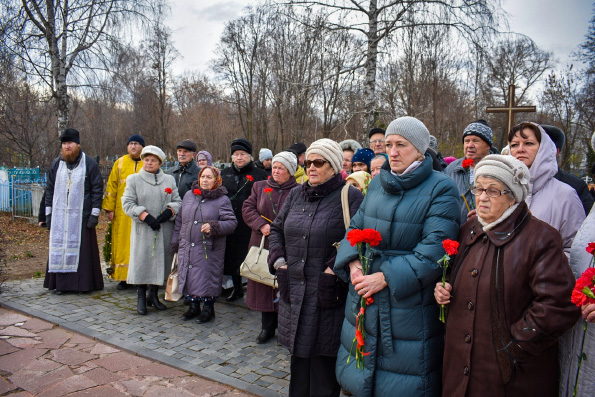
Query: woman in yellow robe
[[112, 204]]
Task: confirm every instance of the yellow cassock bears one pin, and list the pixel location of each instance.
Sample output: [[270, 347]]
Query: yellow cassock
[[112, 201]]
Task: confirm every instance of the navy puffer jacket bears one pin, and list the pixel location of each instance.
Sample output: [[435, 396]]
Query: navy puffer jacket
[[414, 213]]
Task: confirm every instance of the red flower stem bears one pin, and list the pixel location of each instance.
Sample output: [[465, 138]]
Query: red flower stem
[[580, 359]]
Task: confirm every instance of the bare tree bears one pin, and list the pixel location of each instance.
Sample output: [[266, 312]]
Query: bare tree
[[57, 40], [377, 20]]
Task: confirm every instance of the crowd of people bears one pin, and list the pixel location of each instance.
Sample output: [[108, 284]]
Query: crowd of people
[[521, 223]]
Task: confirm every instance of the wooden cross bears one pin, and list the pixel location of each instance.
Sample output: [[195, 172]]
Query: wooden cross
[[510, 109]]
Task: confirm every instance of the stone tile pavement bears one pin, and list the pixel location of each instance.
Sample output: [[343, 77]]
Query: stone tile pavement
[[223, 350], [39, 358]]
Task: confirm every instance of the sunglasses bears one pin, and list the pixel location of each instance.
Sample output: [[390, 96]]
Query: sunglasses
[[317, 163]]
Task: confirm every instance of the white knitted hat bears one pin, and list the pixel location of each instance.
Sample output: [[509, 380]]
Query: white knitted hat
[[411, 129], [329, 150], [508, 170], [154, 150], [288, 160]]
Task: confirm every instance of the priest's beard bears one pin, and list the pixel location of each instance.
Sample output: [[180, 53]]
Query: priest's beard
[[70, 156]]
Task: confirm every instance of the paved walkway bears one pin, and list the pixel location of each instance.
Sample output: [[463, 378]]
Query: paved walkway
[[39, 358], [224, 350]]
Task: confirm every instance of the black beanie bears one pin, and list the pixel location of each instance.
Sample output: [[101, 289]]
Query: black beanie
[[298, 148], [136, 138], [556, 134], [376, 131], [241, 144], [70, 135]]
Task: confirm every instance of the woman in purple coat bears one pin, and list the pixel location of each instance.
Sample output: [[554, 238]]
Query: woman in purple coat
[[259, 211], [202, 223]]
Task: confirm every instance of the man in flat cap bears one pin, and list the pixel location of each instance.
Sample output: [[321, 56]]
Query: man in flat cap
[[112, 205], [186, 171], [72, 204]]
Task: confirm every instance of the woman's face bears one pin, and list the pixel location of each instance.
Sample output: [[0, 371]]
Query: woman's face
[[491, 208], [354, 183], [207, 179], [202, 162], [240, 158], [280, 173], [401, 153], [375, 166], [151, 163], [524, 149], [316, 176]]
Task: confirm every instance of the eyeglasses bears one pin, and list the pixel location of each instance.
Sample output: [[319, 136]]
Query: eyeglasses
[[317, 163], [134, 144], [490, 192], [375, 141]]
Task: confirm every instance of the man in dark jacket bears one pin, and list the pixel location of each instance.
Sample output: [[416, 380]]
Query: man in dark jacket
[[72, 204], [186, 171], [575, 182], [238, 180]]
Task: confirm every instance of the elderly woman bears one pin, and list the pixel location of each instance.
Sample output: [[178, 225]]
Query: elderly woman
[[204, 158], [359, 180], [259, 211], [238, 180], [204, 220], [414, 208], [151, 199], [550, 200], [302, 254], [509, 293]]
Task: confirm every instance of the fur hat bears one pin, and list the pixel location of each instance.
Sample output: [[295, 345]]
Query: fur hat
[[350, 144], [288, 160], [329, 150], [508, 170], [241, 144], [154, 150], [411, 129]]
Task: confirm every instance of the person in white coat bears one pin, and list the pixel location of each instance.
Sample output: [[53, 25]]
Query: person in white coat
[[549, 200], [151, 199]]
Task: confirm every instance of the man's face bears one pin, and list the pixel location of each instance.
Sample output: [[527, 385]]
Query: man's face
[[70, 151], [301, 159], [184, 155], [134, 150], [475, 148], [347, 155], [377, 143]]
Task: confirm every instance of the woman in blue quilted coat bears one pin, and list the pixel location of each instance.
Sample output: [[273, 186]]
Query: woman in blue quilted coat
[[414, 208]]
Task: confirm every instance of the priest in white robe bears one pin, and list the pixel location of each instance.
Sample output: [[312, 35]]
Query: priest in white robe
[[72, 203]]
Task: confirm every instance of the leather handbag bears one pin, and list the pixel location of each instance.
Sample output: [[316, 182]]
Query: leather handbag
[[172, 287], [255, 266]]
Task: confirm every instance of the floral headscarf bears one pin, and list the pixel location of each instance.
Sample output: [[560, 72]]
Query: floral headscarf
[[216, 173]]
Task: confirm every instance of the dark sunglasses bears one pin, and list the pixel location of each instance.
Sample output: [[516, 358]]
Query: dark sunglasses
[[317, 163]]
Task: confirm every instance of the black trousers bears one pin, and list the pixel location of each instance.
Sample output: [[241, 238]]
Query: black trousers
[[314, 376], [269, 321]]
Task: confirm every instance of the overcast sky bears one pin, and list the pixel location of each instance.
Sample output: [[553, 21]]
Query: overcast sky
[[558, 26]]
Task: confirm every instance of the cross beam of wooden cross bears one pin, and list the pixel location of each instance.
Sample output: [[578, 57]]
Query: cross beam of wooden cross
[[510, 109]]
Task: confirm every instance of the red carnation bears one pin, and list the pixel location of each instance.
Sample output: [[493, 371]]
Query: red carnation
[[197, 192], [369, 301], [578, 298], [360, 338], [250, 178], [269, 177], [372, 237], [450, 246], [168, 190], [591, 247], [268, 190], [467, 163]]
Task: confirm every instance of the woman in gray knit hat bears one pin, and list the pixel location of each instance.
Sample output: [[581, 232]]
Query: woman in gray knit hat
[[511, 287], [414, 208]]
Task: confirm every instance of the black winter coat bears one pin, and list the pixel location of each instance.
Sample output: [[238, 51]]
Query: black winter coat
[[93, 184], [184, 176], [312, 304], [238, 190], [580, 186]]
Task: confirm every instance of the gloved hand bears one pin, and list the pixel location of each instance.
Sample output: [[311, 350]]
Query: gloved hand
[[92, 222], [48, 221], [165, 215], [173, 247], [152, 222]]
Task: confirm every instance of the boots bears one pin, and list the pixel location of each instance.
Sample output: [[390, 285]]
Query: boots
[[265, 336], [208, 312], [141, 305], [153, 299], [193, 311], [237, 291]]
